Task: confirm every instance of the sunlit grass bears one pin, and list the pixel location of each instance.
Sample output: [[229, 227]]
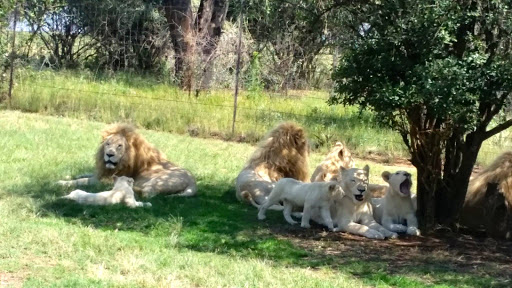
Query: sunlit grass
[[155, 104], [210, 240]]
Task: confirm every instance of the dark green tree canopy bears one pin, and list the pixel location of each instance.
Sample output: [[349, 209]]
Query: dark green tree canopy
[[452, 59], [440, 73]]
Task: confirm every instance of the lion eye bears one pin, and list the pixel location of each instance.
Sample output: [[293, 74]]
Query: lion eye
[[119, 146], [354, 180]]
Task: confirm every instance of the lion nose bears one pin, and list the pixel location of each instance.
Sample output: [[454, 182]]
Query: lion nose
[[109, 155], [407, 174], [361, 190]]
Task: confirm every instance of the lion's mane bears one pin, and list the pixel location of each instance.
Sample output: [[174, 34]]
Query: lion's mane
[[139, 154], [282, 153], [500, 172]]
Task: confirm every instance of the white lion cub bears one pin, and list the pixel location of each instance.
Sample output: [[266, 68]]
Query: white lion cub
[[317, 195], [121, 193], [396, 207]]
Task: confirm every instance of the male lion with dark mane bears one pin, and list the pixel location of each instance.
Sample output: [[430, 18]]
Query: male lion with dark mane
[[124, 152], [283, 153], [491, 210]]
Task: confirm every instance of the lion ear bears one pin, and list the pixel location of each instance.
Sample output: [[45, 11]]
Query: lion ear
[[104, 137], [367, 169], [340, 154], [115, 177], [385, 175]]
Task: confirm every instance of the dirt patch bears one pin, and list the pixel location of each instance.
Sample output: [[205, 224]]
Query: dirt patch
[[10, 280], [421, 257], [386, 159]]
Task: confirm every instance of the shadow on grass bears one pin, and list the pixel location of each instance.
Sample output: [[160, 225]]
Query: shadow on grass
[[215, 221]]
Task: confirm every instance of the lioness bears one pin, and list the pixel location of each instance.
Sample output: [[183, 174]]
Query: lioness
[[353, 212], [124, 152], [328, 169], [121, 193], [294, 193], [396, 208]]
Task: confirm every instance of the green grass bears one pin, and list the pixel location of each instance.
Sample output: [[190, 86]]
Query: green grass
[[155, 104], [210, 240]]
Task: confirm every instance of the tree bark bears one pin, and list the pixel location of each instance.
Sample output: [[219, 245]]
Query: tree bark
[[452, 194], [210, 18], [426, 157], [179, 18]]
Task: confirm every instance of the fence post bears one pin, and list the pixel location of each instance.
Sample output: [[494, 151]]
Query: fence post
[[237, 77], [13, 56]]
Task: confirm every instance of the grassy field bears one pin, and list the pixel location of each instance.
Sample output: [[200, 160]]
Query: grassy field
[[156, 105], [207, 241]]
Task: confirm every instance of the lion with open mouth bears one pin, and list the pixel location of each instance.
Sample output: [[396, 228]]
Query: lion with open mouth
[[396, 210]]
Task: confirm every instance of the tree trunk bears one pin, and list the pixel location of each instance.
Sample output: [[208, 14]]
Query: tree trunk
[[426, 156], [452, 194], [179, 18], [426, 199], [210, 18]]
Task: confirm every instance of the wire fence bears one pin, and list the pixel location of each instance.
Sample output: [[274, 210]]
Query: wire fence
[[33, 79]]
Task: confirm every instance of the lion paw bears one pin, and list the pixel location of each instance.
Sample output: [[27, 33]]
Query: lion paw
[[373, 234], [305, 225], [398, 228], [262, 217], [147, 204], [392, 235], [64, 183], [413, 231]]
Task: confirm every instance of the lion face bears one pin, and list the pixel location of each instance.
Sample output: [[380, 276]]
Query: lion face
[[400, 182], [119, 180], [114, 149], [355, 183]]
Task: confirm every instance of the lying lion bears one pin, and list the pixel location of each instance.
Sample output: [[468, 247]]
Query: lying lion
[[124, 152], [353, 213], [491, 210], [396, 208], [311, 196], [282, 153], [329, 168], [122, 193]]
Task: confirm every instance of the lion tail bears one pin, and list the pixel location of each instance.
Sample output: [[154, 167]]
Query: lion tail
[[247, 196]]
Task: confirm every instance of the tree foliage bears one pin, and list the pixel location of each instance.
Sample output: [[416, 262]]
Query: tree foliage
[[439, 72], [294, 32]]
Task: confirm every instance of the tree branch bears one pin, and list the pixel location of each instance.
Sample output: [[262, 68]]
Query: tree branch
[[488, 134]]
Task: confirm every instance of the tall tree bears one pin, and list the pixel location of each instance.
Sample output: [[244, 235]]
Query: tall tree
[[440, 73], [187, 33], [209, 21], [180, 19], [294, 32]]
